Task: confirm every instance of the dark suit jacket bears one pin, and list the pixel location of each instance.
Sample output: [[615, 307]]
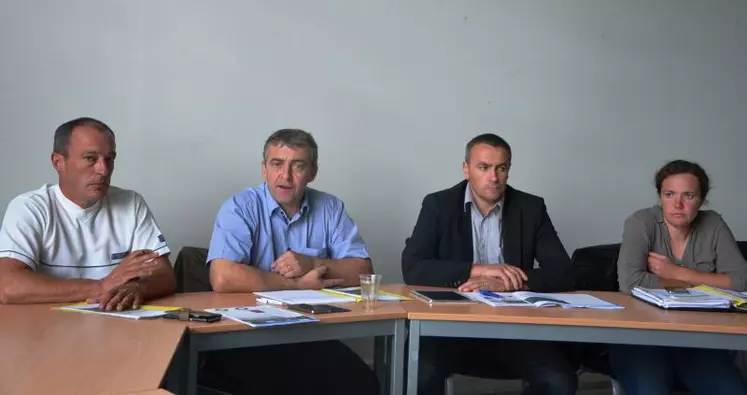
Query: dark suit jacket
[[439, 253]]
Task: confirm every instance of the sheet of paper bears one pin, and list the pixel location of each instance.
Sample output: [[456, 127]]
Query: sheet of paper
[[586, 301], [142, 312], [261, 316], [304, 296], [504, 299]]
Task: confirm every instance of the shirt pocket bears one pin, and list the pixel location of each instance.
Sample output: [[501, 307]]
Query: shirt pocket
[[313, 252], [705, 263]]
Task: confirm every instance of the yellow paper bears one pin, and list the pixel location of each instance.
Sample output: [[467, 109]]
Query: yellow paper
[[735, 300], [336, 293]]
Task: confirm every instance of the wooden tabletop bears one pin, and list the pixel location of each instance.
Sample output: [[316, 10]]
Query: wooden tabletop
[[204, 300], [50, 351], [149, 392], [636, 315], [47, 351]]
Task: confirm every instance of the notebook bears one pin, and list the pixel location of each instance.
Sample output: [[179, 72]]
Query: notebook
[[685, 299], [144, 311]]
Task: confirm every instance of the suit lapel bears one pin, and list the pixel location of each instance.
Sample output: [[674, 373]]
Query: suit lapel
[[465, 231], [511, 230], [463, 238]]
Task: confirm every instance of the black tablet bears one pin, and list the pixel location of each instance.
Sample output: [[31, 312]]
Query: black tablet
[[440, 296]]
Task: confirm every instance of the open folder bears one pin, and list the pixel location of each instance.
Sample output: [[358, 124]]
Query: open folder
[[536, 299]]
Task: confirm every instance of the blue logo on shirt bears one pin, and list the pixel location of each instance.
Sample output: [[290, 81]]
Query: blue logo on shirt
[[119, 256]]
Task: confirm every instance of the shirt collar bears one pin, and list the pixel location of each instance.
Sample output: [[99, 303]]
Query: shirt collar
[[72, 208], [468, 200], [272, 204], [658, 214]]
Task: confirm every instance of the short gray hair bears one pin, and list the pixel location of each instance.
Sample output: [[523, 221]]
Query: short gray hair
[[489, 139], [65, 131], [294, 138]]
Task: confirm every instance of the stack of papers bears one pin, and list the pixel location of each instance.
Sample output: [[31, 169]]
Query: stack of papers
[[302, 296], [691, 298], [534, 299], [134, 314], [262, 316]]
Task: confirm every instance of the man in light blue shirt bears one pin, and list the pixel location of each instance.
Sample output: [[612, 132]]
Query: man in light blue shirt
[[284, 235], [253, 229]]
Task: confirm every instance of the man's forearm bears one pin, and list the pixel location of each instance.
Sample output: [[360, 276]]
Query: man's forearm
[[24, 286], [226, 276], [161, 283], [348, 269]]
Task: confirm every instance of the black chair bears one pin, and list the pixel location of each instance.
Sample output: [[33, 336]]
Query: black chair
[[743, 248], [595, 268], [191, 273]]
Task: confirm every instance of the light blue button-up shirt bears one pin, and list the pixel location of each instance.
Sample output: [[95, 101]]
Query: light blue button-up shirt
[[487, 241], [253, 229]]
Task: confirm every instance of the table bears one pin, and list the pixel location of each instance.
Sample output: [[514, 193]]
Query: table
[[386, 322], [52, 352], [639, 323]]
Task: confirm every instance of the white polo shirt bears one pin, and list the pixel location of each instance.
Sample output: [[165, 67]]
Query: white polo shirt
[[54, 236]]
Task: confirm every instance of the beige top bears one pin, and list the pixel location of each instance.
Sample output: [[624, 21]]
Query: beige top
[[711, 248]]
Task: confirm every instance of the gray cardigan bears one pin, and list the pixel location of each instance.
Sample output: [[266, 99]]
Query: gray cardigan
[[711, 248]]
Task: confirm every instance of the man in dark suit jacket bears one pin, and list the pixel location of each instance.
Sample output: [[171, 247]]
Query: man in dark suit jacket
[[483, 234]]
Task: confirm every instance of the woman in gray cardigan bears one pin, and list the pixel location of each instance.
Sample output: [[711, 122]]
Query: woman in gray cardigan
[[676, 242]]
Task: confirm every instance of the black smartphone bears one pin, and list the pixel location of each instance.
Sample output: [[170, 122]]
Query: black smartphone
[[316, 308], [192, 315]]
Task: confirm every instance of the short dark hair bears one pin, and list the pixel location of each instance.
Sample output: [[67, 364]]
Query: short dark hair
[[489, 139], [680, 166], [294, 138], [64, 131]]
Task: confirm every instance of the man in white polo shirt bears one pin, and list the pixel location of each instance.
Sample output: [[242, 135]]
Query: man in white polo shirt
[[82, 239]]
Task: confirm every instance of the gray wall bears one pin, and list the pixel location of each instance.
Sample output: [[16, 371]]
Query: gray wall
[[593, 95]]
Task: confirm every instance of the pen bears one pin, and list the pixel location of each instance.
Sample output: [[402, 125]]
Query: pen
[[268, 301], [489, 294]]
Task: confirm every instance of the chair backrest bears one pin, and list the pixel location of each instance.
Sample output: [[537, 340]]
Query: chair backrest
[[743, 248], [595, 268], [191, 273]]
